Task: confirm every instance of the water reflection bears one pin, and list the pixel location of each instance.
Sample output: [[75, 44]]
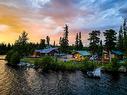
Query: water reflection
[[23, 81]]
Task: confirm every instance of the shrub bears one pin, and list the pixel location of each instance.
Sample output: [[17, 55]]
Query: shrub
[[46, 62], [115, 64], [85, 59], [14, 58], [107, 67], [9, 54]]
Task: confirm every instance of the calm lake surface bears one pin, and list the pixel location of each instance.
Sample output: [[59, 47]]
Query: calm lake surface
[[30, 82]]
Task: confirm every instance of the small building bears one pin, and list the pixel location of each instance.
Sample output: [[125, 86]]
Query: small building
[[80, 55], [117, 54], [114, 54], [48, 51]]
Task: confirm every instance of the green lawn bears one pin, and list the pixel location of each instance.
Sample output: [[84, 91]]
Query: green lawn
[[30, 60]]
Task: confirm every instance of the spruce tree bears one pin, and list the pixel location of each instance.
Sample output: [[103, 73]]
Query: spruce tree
[[110, 41], [42, 44], [21, 44], [125, 35], [120, 39], [48, 40], [80, 42], [94, 41], [64, 42], [54, 44], [77, 42]]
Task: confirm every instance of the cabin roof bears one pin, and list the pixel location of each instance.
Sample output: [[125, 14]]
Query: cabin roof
[[83, 53], [48, 50], [117, 52]]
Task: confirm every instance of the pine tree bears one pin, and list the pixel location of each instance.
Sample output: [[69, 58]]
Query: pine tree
[[48, 40], [120, 39], [21, 44], [77, 42], [125, 28], [66, 35], [23, 39], [80, 42], [42, 44], [54, 44], [110, 41], [94, 41], [100, 48], [64, 42], [125, 35], [60, 40]]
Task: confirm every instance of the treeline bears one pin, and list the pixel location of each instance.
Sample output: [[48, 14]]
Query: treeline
[[4, 48], [23, 46], [112, 40]]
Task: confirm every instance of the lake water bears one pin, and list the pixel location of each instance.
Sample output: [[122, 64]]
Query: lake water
[[30, 82]]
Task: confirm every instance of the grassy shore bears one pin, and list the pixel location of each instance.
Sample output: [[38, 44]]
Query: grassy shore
[[52, 63]]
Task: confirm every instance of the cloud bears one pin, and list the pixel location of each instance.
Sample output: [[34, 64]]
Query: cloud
[[3, 27], [47, 17]]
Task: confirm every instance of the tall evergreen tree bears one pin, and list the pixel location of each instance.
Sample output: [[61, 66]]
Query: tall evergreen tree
[[120, 39], [110, 40], [48, 40], [42, 44], [94, 41], [80, 41], [23, 39], [60, 40], [54, 44], [77, 42], [64, 42], [101, 48], [125, 27], [21, 44], [125, 34]]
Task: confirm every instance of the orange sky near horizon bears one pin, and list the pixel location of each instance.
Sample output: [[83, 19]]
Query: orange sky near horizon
[[41, 18], [13, 23]]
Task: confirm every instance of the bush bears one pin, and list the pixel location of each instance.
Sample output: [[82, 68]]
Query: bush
[[9, 54], [90, 66], [115, 64], [15, 58], [107, 67], [86, 59], [45, 63]]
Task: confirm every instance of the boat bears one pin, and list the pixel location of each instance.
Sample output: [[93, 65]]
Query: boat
[[94, 74]]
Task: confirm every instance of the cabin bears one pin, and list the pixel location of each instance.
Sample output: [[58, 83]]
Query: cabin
[[80, 55], [114, 54], [48, 51], [117, 54]]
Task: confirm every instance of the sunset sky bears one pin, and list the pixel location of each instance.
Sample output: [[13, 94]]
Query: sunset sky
[[41, 18]]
